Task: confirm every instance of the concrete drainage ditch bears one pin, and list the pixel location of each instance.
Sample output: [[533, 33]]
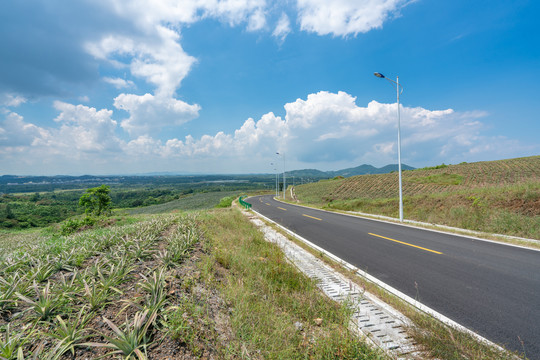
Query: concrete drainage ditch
[[379, 323]]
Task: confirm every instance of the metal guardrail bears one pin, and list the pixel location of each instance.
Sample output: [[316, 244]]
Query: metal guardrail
[[245, 204]]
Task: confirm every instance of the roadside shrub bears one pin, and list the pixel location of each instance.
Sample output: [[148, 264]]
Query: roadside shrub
[[72, 225], [442, 166], [225, 202]]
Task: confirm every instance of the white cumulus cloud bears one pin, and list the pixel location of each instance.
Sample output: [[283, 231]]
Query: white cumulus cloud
[[82, 129], [150, 113], [283, 28], [83, 138], [15, 132], [155, 51], [345, 17], [158, 57], [233, 12], [257, 21], [119, 83], [11, 100], [327, 129]]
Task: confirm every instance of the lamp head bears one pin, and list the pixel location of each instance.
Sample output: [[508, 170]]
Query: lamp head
[[379, 75]]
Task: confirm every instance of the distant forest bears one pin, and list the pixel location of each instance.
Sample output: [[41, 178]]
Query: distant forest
[[32, 203], [21, 184], [37, 201]]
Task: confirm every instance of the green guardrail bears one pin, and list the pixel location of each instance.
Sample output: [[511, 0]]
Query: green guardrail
[[245, 204]]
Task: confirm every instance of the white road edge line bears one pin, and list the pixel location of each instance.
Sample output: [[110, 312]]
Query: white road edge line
[[372, 319], [427, 229], [388, 288]]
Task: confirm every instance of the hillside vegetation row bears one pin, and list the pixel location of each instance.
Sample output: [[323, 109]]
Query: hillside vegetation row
[[494, 196]]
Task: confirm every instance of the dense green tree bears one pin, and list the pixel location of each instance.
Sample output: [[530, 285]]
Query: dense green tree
[[96, 200], [9, 212]]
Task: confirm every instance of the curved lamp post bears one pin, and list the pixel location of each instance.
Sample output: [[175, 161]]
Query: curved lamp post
[[399, 90]]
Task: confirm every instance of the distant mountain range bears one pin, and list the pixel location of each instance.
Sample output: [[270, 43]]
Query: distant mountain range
[[359, 170], [307, 173]]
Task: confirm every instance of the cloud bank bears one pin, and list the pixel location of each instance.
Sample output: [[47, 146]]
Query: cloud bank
[[325, 130]]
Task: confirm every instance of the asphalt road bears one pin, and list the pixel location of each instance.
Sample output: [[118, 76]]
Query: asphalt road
[[491, 288]]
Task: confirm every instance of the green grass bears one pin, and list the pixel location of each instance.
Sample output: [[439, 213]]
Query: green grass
[[189, 323], [198, 201], [269, 296], [319, 192], [450, 344], [439, 179], [12, 240], [490, 210], [442, 166], [226, 202]]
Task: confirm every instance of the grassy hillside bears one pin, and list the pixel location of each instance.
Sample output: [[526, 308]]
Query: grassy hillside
[[191, 202], [494, 196]]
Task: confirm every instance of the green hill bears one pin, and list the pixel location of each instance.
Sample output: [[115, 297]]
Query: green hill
[[495, 196], [359, 170]]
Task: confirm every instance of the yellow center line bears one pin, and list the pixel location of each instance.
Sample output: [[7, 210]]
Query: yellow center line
[[404, 243], [311, 217], [282, 208], [268, 204]]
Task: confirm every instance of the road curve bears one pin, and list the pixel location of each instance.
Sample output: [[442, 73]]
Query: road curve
[[491, 288]]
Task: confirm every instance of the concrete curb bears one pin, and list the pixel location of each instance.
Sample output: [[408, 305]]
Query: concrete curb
[[393, 291], [411, 223]]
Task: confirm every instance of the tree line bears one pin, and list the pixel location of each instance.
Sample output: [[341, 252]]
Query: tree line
[[40, 209]]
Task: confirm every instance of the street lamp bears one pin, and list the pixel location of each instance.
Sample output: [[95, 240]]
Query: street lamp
[[284, 180], [275, 169], [399, 90], [277, 182]]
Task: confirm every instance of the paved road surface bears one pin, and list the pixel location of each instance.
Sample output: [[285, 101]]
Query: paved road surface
[[490, 288]]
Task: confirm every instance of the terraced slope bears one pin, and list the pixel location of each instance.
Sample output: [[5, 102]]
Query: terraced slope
[[468, 195]]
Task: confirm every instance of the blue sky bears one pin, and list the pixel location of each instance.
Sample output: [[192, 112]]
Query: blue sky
[[218, 86]]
